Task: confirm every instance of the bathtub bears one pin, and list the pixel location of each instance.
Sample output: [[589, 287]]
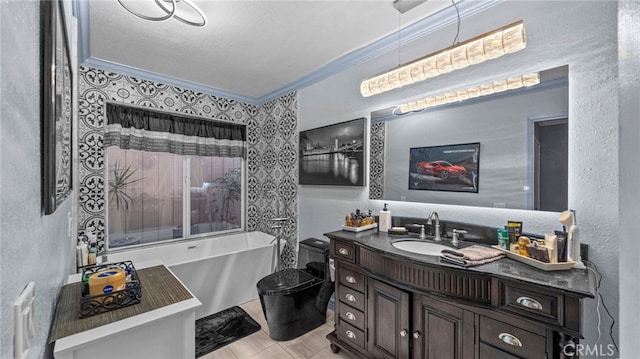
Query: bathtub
[[220, 271]]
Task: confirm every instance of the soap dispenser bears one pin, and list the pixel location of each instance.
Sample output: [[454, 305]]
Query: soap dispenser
[[568, 219], [385, 220]]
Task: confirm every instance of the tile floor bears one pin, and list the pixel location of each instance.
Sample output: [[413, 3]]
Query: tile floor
[[312, 345]]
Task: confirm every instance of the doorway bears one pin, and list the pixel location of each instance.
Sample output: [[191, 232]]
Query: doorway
[[551, 159]]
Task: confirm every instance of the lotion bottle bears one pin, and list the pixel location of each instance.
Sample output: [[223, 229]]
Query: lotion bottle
[[568, 219], [551, 242], [93, 244], [80, 258], [85, 251], [385, 220]]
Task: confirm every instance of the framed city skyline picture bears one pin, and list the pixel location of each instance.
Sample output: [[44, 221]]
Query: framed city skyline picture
[[333, 154]]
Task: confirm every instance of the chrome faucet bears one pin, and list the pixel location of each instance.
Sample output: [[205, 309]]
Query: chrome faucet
[[277, 226], [436, 237], [422, 234], [454, 237]]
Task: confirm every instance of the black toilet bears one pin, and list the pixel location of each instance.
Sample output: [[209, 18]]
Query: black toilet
[[294, 301]]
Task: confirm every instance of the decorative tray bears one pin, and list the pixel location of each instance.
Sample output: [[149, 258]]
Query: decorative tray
[[536, 263], [131, 294], [361, 228]]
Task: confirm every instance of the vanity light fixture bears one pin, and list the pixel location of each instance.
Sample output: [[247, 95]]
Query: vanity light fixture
[[511, 83], [491, 45], [170, 9]]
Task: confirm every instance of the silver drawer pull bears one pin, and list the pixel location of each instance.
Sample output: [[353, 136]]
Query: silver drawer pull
[[403, 333], [416, 334], [350, 297], [350, 316], [350, 279], [529, 303], [510, 339], [350, 334], [343, 251]]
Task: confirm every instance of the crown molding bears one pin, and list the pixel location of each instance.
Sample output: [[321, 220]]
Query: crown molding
[[167, 80], [388, 43]]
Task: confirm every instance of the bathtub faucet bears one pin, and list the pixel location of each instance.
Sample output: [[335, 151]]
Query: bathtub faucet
[[276, 237], [278, 229]]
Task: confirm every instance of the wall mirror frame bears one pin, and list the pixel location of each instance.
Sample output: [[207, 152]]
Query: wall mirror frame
[[523, 134]]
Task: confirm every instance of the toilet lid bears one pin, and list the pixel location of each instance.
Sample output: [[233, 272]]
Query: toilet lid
[[286, 282]]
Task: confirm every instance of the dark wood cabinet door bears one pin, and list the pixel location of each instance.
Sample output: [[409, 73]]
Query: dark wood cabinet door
[[388, 317], [441, 330]]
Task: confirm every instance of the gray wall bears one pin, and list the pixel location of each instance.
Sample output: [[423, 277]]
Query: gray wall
[[580, 34], [33, 247], [629, 190]]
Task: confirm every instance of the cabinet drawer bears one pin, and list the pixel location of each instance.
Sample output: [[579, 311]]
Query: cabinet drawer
[[351, 297], [351, 316], [532, 304], [489, 352], [351, 278], [512, 339], [344, 251], [351, 334]]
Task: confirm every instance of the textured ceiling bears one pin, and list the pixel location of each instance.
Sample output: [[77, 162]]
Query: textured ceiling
[[248, 48]]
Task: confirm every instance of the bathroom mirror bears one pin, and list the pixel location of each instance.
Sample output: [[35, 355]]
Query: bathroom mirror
[[523, 146]]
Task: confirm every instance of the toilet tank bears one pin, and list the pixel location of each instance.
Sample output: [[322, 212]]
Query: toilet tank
[[313, 256]]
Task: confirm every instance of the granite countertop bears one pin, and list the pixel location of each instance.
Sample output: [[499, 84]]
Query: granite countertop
[[581, 282]]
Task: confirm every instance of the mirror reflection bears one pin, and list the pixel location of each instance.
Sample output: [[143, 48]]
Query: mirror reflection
[[521, 162]]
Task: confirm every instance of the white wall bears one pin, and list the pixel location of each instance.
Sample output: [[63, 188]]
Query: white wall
[[582, 35], [33, 247]]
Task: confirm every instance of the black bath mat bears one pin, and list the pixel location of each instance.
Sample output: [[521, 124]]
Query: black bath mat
[[222, 328]]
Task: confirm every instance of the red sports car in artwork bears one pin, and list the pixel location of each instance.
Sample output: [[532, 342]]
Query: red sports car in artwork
[[442, 169]]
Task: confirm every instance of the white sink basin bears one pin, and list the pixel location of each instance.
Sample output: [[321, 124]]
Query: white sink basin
[[419, 246]]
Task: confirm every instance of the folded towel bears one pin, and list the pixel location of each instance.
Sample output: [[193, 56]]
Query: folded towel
[[472, 256]]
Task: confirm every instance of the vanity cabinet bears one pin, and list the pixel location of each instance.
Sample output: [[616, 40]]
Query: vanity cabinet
[[393, 307], [406, 325], [388, 324], [504, 339], [441, 329], [350, 306]]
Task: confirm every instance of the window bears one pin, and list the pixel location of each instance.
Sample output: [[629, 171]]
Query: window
[[216, 194], [171, 177], [147, 199]]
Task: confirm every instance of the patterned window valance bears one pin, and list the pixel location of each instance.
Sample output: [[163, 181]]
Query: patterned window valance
[[147, 130]]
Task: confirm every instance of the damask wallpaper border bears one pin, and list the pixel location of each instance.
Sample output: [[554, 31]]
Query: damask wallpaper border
[[376, 161]]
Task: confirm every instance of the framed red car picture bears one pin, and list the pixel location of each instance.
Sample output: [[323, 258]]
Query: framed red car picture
[[453, 168]]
